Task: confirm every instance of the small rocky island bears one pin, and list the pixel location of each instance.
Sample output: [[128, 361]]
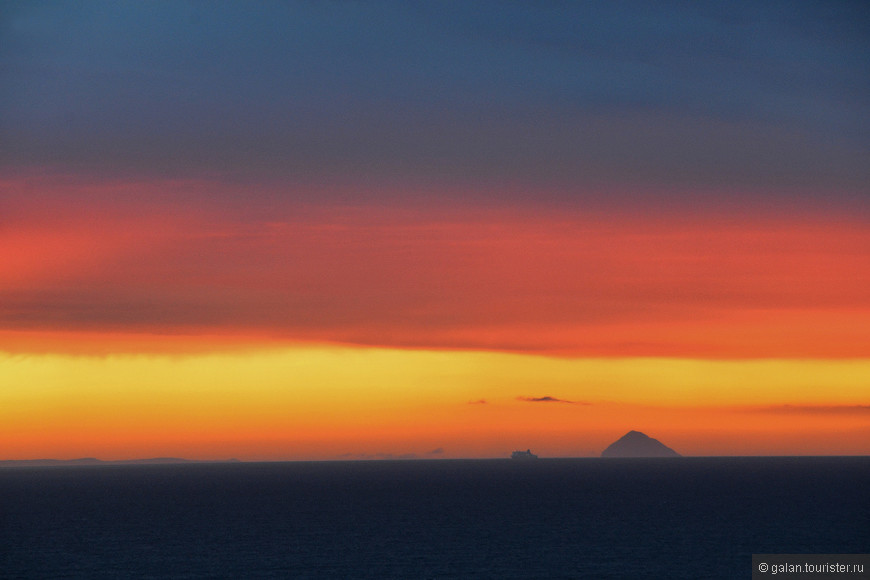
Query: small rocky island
[[637, 444]]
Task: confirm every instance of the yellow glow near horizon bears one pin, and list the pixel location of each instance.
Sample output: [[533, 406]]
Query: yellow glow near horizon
[[359, 398]]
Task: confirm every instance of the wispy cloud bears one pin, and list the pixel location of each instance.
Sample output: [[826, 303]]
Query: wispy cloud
[[477, 402], [548, 399], [815, 409]]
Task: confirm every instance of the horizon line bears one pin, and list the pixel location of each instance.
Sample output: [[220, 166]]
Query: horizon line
[[92, 461]]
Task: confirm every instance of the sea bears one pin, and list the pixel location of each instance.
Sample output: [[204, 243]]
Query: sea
[[688, 517]]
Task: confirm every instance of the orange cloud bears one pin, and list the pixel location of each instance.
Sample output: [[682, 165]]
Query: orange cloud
[[575, 282]]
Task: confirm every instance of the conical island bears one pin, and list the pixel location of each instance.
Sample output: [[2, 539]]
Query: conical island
[[636, 444]]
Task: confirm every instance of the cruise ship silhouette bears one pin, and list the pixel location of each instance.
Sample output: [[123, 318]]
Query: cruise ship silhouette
[[527, 454]]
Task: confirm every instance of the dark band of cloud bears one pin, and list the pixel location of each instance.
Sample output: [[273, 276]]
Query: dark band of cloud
[[817, 409], [548, 399], [584, 94]]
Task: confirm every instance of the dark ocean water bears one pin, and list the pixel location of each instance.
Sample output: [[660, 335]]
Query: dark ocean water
[[552, 518]]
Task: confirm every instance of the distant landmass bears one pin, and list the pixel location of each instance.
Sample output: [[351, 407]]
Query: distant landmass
[[94, 461], [637, 444]]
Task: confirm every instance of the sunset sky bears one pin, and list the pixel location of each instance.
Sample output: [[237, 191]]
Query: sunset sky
[[324, 230]]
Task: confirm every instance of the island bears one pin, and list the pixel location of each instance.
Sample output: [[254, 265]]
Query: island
[[637, 444]]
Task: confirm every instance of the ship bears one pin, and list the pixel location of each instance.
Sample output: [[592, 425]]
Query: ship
[[522, 455]]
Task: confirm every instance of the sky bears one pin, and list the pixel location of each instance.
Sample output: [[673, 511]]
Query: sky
[[358, 230]]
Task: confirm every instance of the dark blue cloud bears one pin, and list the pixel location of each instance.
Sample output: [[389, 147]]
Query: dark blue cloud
[[702, 94]]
